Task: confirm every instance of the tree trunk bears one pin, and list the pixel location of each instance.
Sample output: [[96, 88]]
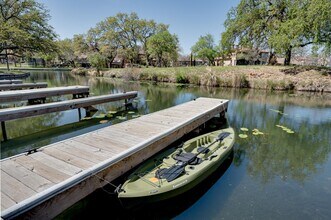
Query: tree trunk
[[288, 55], [7, 59], [272, 60]]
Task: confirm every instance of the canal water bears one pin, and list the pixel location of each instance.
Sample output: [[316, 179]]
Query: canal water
[[280, 167]]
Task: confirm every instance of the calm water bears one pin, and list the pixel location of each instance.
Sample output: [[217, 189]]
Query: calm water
[[277, 175]]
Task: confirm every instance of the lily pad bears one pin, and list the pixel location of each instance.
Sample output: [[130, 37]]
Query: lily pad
[[244, 129], [243, 135], [112, 112], [100, 116], [290, 131], [135, 116], [148, 100], [255, 133], [121, 117], [87, 118], [103, 121], [109, 115], [131, 112]]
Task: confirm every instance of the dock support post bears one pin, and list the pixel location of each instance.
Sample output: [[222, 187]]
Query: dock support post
[[79, 114], [126, 104], [222, 116], [3, 128]]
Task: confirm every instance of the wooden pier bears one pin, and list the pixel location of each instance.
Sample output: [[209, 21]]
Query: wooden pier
[[8, 114], [14, 81], [38, 85], [36, 94], [42, 184]]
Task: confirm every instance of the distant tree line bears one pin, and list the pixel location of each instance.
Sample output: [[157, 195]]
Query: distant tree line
[[125, 36], [280, 26]]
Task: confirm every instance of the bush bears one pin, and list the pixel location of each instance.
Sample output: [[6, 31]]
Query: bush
[[240, 81], [181, 78]]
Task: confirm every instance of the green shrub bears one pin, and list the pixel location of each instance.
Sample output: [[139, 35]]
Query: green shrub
[[181, 78], [240, 81]]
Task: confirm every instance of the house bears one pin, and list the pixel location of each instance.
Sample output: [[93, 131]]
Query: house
[[243, 56]]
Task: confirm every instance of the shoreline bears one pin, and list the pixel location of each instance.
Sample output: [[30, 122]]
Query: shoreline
[[309, 79]]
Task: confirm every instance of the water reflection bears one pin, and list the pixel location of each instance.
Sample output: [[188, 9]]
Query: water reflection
[[278, 153]]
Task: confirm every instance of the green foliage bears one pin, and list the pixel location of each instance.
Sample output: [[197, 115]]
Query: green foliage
[[66, 52], [205, 48], [278, 25], [122, 35], [97, 60], [163, 46], [181, 78], [24, 25]]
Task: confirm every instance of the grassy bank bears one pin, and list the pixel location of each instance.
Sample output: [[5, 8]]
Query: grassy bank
[[257, 77]]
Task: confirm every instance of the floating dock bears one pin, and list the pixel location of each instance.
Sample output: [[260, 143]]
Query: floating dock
[[35, 94], [38, 85], [14, 81], [42, 184]]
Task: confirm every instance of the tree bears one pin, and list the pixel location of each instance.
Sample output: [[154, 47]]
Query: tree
[[205, 48], [124, 35], [24, 28], [163, 46], [66, 52], [279, 25]]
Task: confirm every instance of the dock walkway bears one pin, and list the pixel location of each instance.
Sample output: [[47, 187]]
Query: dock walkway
[[45, 183], [28, 94], [14, 81], [37, 85]]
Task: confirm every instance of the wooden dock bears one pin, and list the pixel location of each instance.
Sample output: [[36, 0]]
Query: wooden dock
[[38, 85], [7, 114], [14, 81], [43, 184], [28, 94]]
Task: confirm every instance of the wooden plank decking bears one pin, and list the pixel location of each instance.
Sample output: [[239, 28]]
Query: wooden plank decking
[[28, 94], [4, 87], [43, 184]]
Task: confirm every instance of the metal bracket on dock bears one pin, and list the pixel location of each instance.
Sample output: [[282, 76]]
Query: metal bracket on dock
[[80, 95], [31, 151], [37, 101], [89, 110]]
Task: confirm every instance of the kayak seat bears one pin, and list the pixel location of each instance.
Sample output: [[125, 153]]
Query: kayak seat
[[189, 158]]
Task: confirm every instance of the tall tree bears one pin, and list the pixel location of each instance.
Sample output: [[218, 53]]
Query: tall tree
[[66, 52], [279, 25], [163, 46], [205, 48], [124, 35], [24, 27]]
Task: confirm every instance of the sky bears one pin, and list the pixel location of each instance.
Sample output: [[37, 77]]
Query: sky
[[188, 19]]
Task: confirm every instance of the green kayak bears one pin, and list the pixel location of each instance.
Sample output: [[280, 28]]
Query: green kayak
[[175, 171]]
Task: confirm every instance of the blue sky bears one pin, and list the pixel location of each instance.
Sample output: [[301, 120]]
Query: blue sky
[[189, 19]]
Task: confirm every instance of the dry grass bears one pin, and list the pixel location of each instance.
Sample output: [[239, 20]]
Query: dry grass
[[257, 77]]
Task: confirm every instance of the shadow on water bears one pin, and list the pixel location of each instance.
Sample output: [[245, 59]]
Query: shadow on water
[[104, 204]]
